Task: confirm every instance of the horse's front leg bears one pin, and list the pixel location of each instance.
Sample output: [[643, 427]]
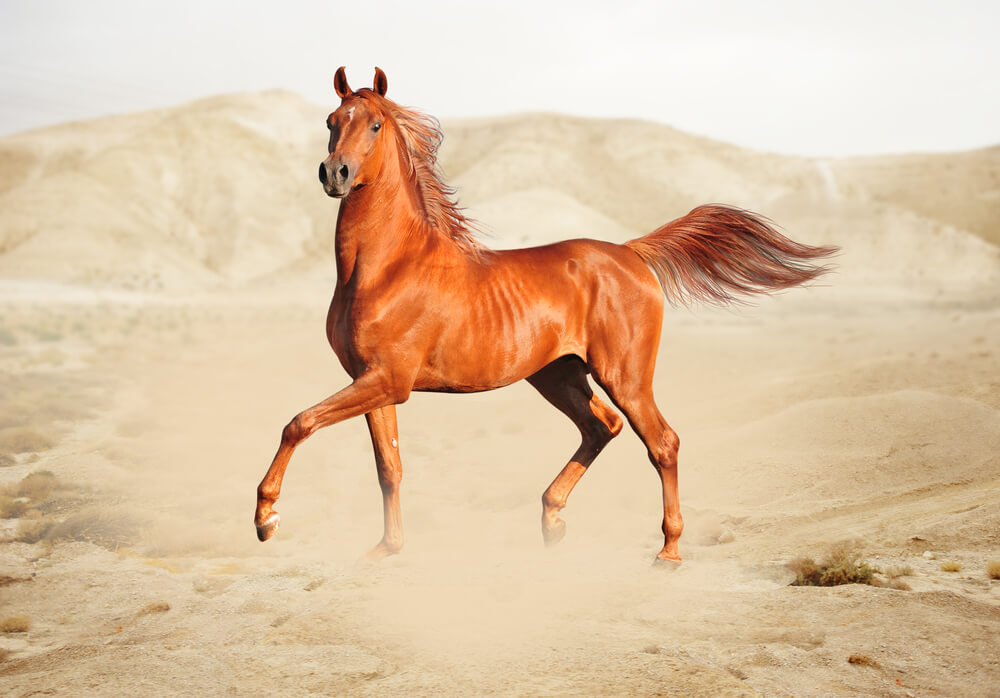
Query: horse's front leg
[[368, 392], [382, 426]]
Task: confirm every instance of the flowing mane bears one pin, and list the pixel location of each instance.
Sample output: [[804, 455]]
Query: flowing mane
[[420, 137]]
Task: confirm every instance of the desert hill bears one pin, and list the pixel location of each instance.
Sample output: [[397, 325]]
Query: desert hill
[[223, 191]]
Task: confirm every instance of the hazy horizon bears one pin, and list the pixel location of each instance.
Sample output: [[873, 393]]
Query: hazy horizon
[[850, 79]]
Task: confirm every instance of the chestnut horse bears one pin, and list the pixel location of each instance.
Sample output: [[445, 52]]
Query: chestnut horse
[[420, 304]]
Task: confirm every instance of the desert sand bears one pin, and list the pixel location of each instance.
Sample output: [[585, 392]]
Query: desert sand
[[164, 280]]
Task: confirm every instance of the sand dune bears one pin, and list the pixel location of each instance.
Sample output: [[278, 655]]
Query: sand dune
[[164, 280]]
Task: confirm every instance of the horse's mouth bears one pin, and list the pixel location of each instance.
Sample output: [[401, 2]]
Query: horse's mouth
[[334, 194]]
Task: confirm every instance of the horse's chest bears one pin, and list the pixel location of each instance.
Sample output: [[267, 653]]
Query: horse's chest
[[352, 328]]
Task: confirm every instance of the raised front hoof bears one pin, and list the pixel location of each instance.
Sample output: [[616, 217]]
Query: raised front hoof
[[554, 533], [269, 527], [667, 561]]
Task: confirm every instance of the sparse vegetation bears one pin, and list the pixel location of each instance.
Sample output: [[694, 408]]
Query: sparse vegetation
[[862, 660], [37, 485], [15, 624], [900, 571], [33, 530], [7, 338], [951, 566], [94, 525], [12, 507], [993, 569], [16, 500], [156, 607], [842, 566], [23, 439]]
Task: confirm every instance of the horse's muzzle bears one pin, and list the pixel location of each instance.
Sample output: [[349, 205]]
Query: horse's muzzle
[[336, 179]]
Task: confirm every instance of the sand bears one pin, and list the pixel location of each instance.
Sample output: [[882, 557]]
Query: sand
[[164, 279]]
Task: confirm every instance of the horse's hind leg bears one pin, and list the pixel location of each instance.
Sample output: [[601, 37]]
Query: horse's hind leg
[[662, 443], [382, 426], [625, 371], [564, 383]]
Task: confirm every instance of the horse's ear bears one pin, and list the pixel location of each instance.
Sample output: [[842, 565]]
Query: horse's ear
[[340, 83], [381, 82]]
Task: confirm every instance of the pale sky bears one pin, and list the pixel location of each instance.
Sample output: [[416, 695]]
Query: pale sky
[[834, 78]]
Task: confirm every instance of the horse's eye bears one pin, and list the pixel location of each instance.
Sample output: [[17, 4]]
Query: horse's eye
[[376, 126]]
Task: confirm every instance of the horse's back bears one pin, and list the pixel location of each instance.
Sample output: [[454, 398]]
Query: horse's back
[[521, 309]]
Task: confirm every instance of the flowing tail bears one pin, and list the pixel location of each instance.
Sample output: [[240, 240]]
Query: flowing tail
[[717, 253]]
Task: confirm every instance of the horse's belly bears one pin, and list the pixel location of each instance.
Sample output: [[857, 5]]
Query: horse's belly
[[471, 361]]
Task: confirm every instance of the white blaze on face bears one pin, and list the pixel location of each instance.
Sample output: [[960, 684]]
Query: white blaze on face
[[350, 114]]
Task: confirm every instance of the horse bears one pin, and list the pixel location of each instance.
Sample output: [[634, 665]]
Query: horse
[[421, 304]]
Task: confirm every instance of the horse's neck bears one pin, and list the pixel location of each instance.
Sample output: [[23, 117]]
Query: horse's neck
[[377, 227]]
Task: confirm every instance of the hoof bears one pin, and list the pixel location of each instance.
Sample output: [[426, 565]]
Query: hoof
[[555, 533], [667, 563], [270, 526], [381, 551]]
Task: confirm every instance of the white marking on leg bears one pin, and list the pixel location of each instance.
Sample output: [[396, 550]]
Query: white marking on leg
[[395, 443]]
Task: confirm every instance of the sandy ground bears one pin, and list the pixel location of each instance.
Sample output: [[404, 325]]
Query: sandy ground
[[866, 410]]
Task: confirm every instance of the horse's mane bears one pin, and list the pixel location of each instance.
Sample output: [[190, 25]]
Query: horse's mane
[[420, 137]]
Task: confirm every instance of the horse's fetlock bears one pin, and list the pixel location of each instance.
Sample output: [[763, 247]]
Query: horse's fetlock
[[551, 501]]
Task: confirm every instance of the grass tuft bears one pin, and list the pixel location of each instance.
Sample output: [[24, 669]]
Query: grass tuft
[[156, 607], [15, 624], [842, 566], [37, 485], [951, 566], [901, 571], [862, 660], [23, 440], [93, 525], [993, 569], [12, 507]]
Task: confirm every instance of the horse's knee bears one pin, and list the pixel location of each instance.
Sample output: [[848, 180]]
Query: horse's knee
[[389, 479], [664, 455], [294, 432]]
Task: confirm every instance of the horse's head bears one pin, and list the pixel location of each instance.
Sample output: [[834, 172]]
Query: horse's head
[[356, 137]]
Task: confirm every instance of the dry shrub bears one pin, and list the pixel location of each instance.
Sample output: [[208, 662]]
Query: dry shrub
[[901, 571], [6, 580], [862, 660], [11, 507], [890, 583], [951, 566], [23, 439], [34, 530], [95, 526], [156, 607], [37, 485], [842, 566], [993, 569], [15, 624]]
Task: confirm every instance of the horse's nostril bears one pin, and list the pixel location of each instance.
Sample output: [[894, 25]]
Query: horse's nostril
[[343, 172], [322, 173]]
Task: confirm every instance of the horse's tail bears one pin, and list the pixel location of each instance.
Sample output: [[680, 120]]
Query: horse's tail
[[715, 253]]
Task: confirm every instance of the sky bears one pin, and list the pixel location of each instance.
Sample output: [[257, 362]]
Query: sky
[[806, 78]]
